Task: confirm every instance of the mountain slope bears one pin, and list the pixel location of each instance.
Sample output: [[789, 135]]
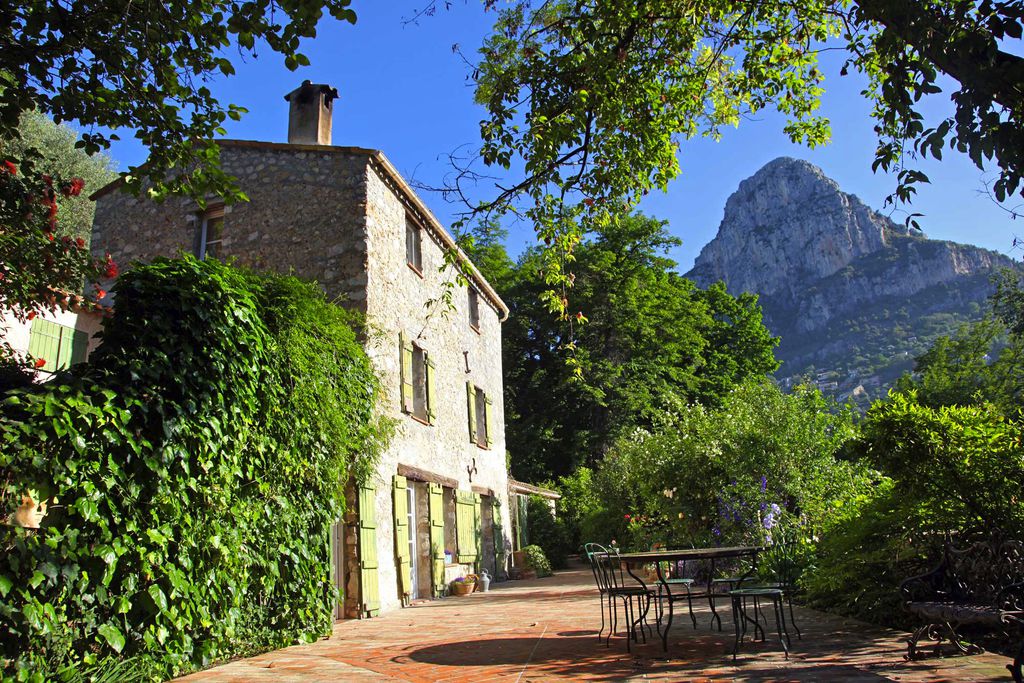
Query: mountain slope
[[853, 295]]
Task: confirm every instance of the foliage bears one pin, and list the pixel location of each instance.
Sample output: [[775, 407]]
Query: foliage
[[52, 146], [144, 68], [963, 465], [537, 561], [548, 532], [194, 468], [710, 475], [649, 337], [39, 271], [588, 101]]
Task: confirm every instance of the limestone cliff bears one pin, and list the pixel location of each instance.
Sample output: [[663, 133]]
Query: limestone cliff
[[853, 295]]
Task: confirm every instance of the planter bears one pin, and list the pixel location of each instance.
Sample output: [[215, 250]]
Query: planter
[[463, 587]]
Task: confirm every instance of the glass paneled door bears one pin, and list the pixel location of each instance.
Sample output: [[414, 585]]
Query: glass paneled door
[[413, 533]]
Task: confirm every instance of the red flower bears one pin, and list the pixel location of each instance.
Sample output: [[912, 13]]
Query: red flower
[[31, 314], [49, 236], [80, 242], [100, 293], [627, 516], [10, 167], [73, 188], [47, 179], [40, 362], [111, 271]]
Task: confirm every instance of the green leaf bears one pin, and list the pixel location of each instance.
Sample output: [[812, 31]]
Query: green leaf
[[113, 636], [5, 586]]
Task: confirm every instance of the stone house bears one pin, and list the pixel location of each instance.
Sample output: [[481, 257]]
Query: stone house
[[437, 507]]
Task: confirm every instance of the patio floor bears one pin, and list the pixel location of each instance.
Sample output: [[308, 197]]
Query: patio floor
[[545, 629]]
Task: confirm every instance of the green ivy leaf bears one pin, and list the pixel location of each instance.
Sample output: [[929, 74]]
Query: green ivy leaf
[[113, 636]]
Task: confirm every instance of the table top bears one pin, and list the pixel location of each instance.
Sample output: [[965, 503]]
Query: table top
[[691, 554]]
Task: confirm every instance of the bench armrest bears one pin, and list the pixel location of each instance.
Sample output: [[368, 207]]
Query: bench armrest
[[1011, 598]]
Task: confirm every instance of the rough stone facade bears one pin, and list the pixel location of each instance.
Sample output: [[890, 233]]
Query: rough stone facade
[[337, 215]]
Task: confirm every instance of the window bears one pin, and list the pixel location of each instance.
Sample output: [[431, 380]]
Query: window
[[418, 393], [481, 424], [58, 346], [413, 244], [209, 234], [474, 309]]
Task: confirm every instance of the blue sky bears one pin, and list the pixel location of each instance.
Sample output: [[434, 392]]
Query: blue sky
[[404, 91]]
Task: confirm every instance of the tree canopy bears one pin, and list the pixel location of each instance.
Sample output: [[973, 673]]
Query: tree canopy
[[590, 99]]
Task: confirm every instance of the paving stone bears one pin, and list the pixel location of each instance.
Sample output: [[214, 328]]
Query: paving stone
[[546, 630]]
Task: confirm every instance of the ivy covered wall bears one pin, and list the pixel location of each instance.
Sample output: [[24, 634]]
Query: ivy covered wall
[[193, 470]]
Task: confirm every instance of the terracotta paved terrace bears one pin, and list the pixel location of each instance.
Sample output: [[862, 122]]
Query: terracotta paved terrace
[[545, 630]]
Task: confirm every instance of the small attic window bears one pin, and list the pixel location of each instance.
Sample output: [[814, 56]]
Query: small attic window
[[414, 244], [474, 308]]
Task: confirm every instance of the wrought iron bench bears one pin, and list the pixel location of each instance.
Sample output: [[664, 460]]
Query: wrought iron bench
[[982, 585]]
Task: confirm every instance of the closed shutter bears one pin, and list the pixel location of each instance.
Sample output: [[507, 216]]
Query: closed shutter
[[488, 420], [471, 409], [405, 354], [59, 345], [499, 538], [478, 529], [432, 399], [467, 527], [437, 539], [369, 580], [402, 531]]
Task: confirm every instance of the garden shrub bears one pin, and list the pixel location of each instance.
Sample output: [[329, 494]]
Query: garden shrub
[[537, 561], [548, 532], [194, 467]]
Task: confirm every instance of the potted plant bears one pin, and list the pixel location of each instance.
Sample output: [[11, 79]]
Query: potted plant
[[464, 585]]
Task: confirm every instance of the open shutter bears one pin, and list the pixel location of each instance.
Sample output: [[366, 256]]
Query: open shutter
[[369, 581], [471, 409], [488, 420], [79, 346], [402, 531], [44, 342], [432, 398], [405, 353], [437, 539], [466, 527], [478, 529], [499, 538]]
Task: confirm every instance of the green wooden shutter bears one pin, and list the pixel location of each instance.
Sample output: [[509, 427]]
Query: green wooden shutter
[[402, 531], [437, 539], [405, 354], [488, 420], [44, 343], [467, 527], [499, 538], [369, 579], [432, 397], [471, 409], [478, 530], [79, 346]]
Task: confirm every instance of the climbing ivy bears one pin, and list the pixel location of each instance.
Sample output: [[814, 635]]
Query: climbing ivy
[[193, 468]]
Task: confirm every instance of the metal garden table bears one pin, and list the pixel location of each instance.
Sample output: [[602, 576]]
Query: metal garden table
[[660, 557]]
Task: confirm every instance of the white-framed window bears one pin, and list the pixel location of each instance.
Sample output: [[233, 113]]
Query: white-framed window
[[209, 233], [419, 397], [414, 244], [474, 308], [481, 422]]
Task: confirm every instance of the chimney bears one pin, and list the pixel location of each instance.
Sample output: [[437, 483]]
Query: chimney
[[309, 117]]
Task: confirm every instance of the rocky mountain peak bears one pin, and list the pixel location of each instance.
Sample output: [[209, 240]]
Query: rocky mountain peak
[[787, 225]]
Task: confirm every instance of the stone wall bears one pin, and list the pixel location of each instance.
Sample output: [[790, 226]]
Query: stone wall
[[397, 299], [306, 213]]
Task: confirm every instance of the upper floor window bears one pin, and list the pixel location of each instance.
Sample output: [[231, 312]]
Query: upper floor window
[[474, 308], [417, 370], [413, 244], [481, 423], [209, 233], [56, 347]]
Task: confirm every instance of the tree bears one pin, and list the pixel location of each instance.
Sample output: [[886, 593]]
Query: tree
[[643, 337], [120, 65], [53, 146], [591, 98]]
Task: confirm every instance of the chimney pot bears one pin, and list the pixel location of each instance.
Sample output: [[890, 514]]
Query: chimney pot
[[309, 116]]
